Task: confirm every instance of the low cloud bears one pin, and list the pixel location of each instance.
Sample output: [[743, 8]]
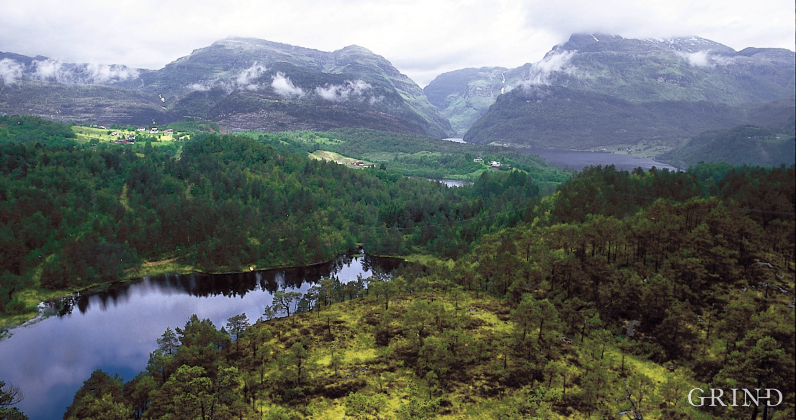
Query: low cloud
[[344, 92], [555, 62], [49, 70], [246, 78], [58, 72], [10, 71], [208, 85], [697, 59], [100, 73], [198, 87], [284, 87]]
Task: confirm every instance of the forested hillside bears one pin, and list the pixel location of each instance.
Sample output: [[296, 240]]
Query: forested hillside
[[614, 298], [743, 145], [74, 214], [421, 156]]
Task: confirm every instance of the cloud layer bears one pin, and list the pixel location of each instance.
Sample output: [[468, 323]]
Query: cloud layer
[[10, 71], [247, 78], [339, 93], [284, 87], [56, 71], [422, 39], [540, 72]]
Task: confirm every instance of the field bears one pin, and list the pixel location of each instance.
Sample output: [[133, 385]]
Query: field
[[336, 157], [101, 135]]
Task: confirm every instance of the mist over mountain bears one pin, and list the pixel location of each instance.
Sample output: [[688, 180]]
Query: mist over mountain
[[593, 91], [599, 90], [241, 83]]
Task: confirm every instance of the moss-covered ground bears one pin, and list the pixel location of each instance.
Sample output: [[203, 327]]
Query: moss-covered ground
[[368, 362]]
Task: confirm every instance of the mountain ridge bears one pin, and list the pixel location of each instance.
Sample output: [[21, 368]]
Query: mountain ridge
[[280, 87], [688, 70]]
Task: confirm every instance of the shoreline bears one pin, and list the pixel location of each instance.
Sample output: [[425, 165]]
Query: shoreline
[[136, 274]]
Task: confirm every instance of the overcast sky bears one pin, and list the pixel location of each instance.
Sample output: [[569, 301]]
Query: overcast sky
[[421, 38]]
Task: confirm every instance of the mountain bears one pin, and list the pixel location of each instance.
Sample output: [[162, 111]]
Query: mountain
[[464, 95], [598, 90], [241, 83], [743, 145]]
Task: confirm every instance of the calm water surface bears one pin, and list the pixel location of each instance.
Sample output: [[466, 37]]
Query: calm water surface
[[578, 160], [115, 330], [453, 182]]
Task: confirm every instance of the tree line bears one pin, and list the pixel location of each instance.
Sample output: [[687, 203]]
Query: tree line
[[72, 215]]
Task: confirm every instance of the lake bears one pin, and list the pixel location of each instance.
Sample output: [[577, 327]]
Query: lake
[[116, 329], [578, 160], [453, 182]]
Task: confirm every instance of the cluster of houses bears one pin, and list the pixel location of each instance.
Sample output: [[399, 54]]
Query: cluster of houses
[[493, 163], [154, 130], [129, 139]]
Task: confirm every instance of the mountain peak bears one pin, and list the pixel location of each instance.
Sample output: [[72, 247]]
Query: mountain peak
[[355, 47], [597, 42]]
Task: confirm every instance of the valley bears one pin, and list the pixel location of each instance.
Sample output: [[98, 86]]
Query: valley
[[260, 230]]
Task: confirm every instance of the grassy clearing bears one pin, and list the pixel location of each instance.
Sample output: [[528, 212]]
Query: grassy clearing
[[425, 259], [335, 157], [88, 134], [160, 268], [30, 298]]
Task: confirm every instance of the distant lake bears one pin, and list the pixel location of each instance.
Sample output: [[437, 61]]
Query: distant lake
[[578, 160], [453, 182], [116, 329]]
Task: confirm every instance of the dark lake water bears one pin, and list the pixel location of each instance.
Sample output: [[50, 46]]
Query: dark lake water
[[116, 329], [576, 161], [453, 182]]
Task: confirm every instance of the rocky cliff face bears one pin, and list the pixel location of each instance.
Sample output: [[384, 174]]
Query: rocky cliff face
[[239, 82]]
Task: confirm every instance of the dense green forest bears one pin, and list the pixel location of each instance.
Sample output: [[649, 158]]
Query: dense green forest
[[743, 145], [612, 298], [419, 156], [73, 215]]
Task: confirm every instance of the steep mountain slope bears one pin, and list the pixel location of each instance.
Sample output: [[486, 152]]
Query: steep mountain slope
[[657, 85], [241, 83], [464, 95]]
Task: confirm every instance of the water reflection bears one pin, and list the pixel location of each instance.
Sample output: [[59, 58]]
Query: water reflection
[[227, 284], [578, 160], [453, 182], [116, 328]]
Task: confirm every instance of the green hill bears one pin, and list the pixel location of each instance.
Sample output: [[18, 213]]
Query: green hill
[[609, 303], [744, 145]]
